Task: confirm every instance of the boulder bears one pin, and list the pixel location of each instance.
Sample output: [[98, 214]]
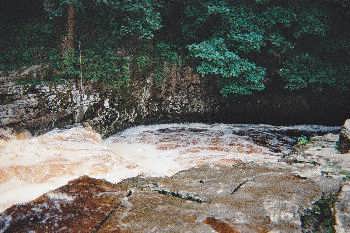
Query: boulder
[[344, 138]]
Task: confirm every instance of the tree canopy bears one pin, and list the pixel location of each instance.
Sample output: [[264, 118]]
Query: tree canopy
[[245, 46]]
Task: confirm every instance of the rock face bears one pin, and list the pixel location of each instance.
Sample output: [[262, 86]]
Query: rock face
[[30, 100], [344, 137], [42, 106]]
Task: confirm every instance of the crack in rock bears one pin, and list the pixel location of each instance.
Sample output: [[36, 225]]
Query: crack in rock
[[240, 185], [182, 195], [99, 226], [246, 181], [123, 203]]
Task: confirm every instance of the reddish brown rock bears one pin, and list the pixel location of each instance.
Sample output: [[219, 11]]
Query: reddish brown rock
[[227, 199], [80, 206]]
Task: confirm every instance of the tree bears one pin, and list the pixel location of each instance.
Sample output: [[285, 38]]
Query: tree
[[64, 9], [247, 45], [68, 41], [244, 45]]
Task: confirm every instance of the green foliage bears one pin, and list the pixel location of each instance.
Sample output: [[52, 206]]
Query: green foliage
[[165, 53], [142, 20], [70, 64], [279, 15], [123, 19], [247, 42], [239, 75], [305, 70], [279, 44], [24, 44], [303, 140], [312, 21], [104, 66], [66, 65], [250, 40], [56, 8], [143, 62], [242, 45], [164, 56]]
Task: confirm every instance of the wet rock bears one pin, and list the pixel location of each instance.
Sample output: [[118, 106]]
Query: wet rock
[[236, 185], [239, 198], [319, 159], [5, 134], [79, 206], [29, 100], [227, 196], [344, 137], [342, 210], [320, 217], [220, 226]]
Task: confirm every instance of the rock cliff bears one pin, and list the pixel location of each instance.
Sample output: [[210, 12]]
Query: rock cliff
[[31, 99]]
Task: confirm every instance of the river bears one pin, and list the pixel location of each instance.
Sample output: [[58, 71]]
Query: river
[[31, 166]]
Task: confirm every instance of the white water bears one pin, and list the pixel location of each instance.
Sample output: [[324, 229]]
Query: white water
[[30, 167]]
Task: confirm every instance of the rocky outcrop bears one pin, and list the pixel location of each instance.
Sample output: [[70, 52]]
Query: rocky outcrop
[[82, 204], [182, 96], [31, 99], [239, 198], [344, 137]]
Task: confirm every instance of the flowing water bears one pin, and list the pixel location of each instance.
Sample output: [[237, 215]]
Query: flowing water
[[31, 166]]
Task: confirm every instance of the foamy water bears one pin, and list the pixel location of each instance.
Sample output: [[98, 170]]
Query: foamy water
[[30, 167]]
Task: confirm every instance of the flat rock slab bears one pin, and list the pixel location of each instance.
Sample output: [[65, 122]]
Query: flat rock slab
[[238, 198], [342, 210]]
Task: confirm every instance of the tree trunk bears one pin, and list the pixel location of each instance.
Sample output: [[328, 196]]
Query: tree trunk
[[69, 37]]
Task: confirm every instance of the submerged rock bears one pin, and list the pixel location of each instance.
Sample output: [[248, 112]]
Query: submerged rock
[[344, 138]]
